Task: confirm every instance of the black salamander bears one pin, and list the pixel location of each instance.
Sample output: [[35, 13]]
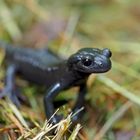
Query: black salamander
[[43, 67]]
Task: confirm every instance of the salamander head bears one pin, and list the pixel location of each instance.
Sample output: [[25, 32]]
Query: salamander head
[[91, 60]]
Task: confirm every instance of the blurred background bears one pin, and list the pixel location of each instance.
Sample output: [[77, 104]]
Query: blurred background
[[113, 99]]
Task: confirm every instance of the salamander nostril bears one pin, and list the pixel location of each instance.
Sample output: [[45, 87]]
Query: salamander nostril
[[87, 62], [101, 64], [107, 52]]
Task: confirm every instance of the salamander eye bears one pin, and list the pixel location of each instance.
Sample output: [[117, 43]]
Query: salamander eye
[[87, 62]]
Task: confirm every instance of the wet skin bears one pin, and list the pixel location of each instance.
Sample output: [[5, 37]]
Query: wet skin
[[45, 68]]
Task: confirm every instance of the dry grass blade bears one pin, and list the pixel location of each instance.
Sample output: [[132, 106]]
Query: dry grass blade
[[75, 132], [116, 87], [129, 71], [16, 122], [117, 115], [8, 22], [69, 32], [17, 114], [10, 116], [2, 56], [62, 128], [7, 128], [34, 7]]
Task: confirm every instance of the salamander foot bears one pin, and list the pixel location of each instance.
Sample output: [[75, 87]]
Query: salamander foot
[[12, 95], [56, 119]]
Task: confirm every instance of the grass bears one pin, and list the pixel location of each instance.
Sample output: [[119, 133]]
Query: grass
[[113, 99]]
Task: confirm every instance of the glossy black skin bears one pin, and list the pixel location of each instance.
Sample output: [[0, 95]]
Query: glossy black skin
[[45, 68]]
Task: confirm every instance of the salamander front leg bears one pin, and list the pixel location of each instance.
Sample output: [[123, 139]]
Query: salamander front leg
[[79, 102], [48, 102], [10, 85]]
